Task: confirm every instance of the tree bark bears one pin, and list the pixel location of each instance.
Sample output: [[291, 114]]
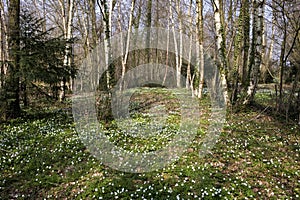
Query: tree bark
[[83, 21], [67, 25], [148, 25], [263, 67], [125, 57], [246, 39], [237, 56], [201, 47], [92, 6], [136, 24], [175, 43], [4, 45], [220, 34], [271, 49], [168, 42], [106, 11], [188, 82], [105, 90], [179, 53], [281, 59], [12, 86], [257, 49]]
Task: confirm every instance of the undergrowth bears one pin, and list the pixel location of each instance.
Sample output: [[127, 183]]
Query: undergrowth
[[256, 156]]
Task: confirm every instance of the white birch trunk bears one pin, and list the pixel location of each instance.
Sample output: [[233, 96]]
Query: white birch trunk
[[175, 46], [258, 39], [201, 48], [125, 57], [220, 46], [167, 57], [263, 67], [179, 65], [4, 56], [168, 41], [107, 16], [67, 26], [175, 43], [106, 11], [188, 82]]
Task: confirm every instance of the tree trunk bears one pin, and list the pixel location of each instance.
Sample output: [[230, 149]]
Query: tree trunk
[[125, 57], [106, 11], [175, 43], [263, 66], [148, 25], [257, 50], [83, 21], [246, 39], [3, 46], [293, 92], [92, 6], [12, 86], [188, 82], [271, 49], [67, 24], [281, 59], [168, 42], [220, 34], [179, 53], [105, 90], [237, 56], [136, 23], [201, 47]]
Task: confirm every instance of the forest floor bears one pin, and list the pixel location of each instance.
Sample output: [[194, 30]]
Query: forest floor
[[255, 157]]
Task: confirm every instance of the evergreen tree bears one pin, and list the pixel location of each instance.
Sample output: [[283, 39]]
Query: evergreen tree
[[36, 58], [41, 55]]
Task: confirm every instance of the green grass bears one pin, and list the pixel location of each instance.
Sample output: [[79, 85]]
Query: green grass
[[256, 156]]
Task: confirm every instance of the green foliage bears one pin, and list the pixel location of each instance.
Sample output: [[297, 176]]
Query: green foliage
[[41, 54]]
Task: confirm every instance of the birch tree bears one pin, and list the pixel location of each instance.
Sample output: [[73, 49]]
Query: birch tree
[[257, 38], [67, 18], [136, 24], [237, 56], [188, 83], [172, 24], [168, 42], [106, 11], [125, 57], [241, 51], [263, 67], [92, 11], [246, 41], [179, 52], [3, 44], [269, 55], [220, 36], [201, 47], [148, 25]]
